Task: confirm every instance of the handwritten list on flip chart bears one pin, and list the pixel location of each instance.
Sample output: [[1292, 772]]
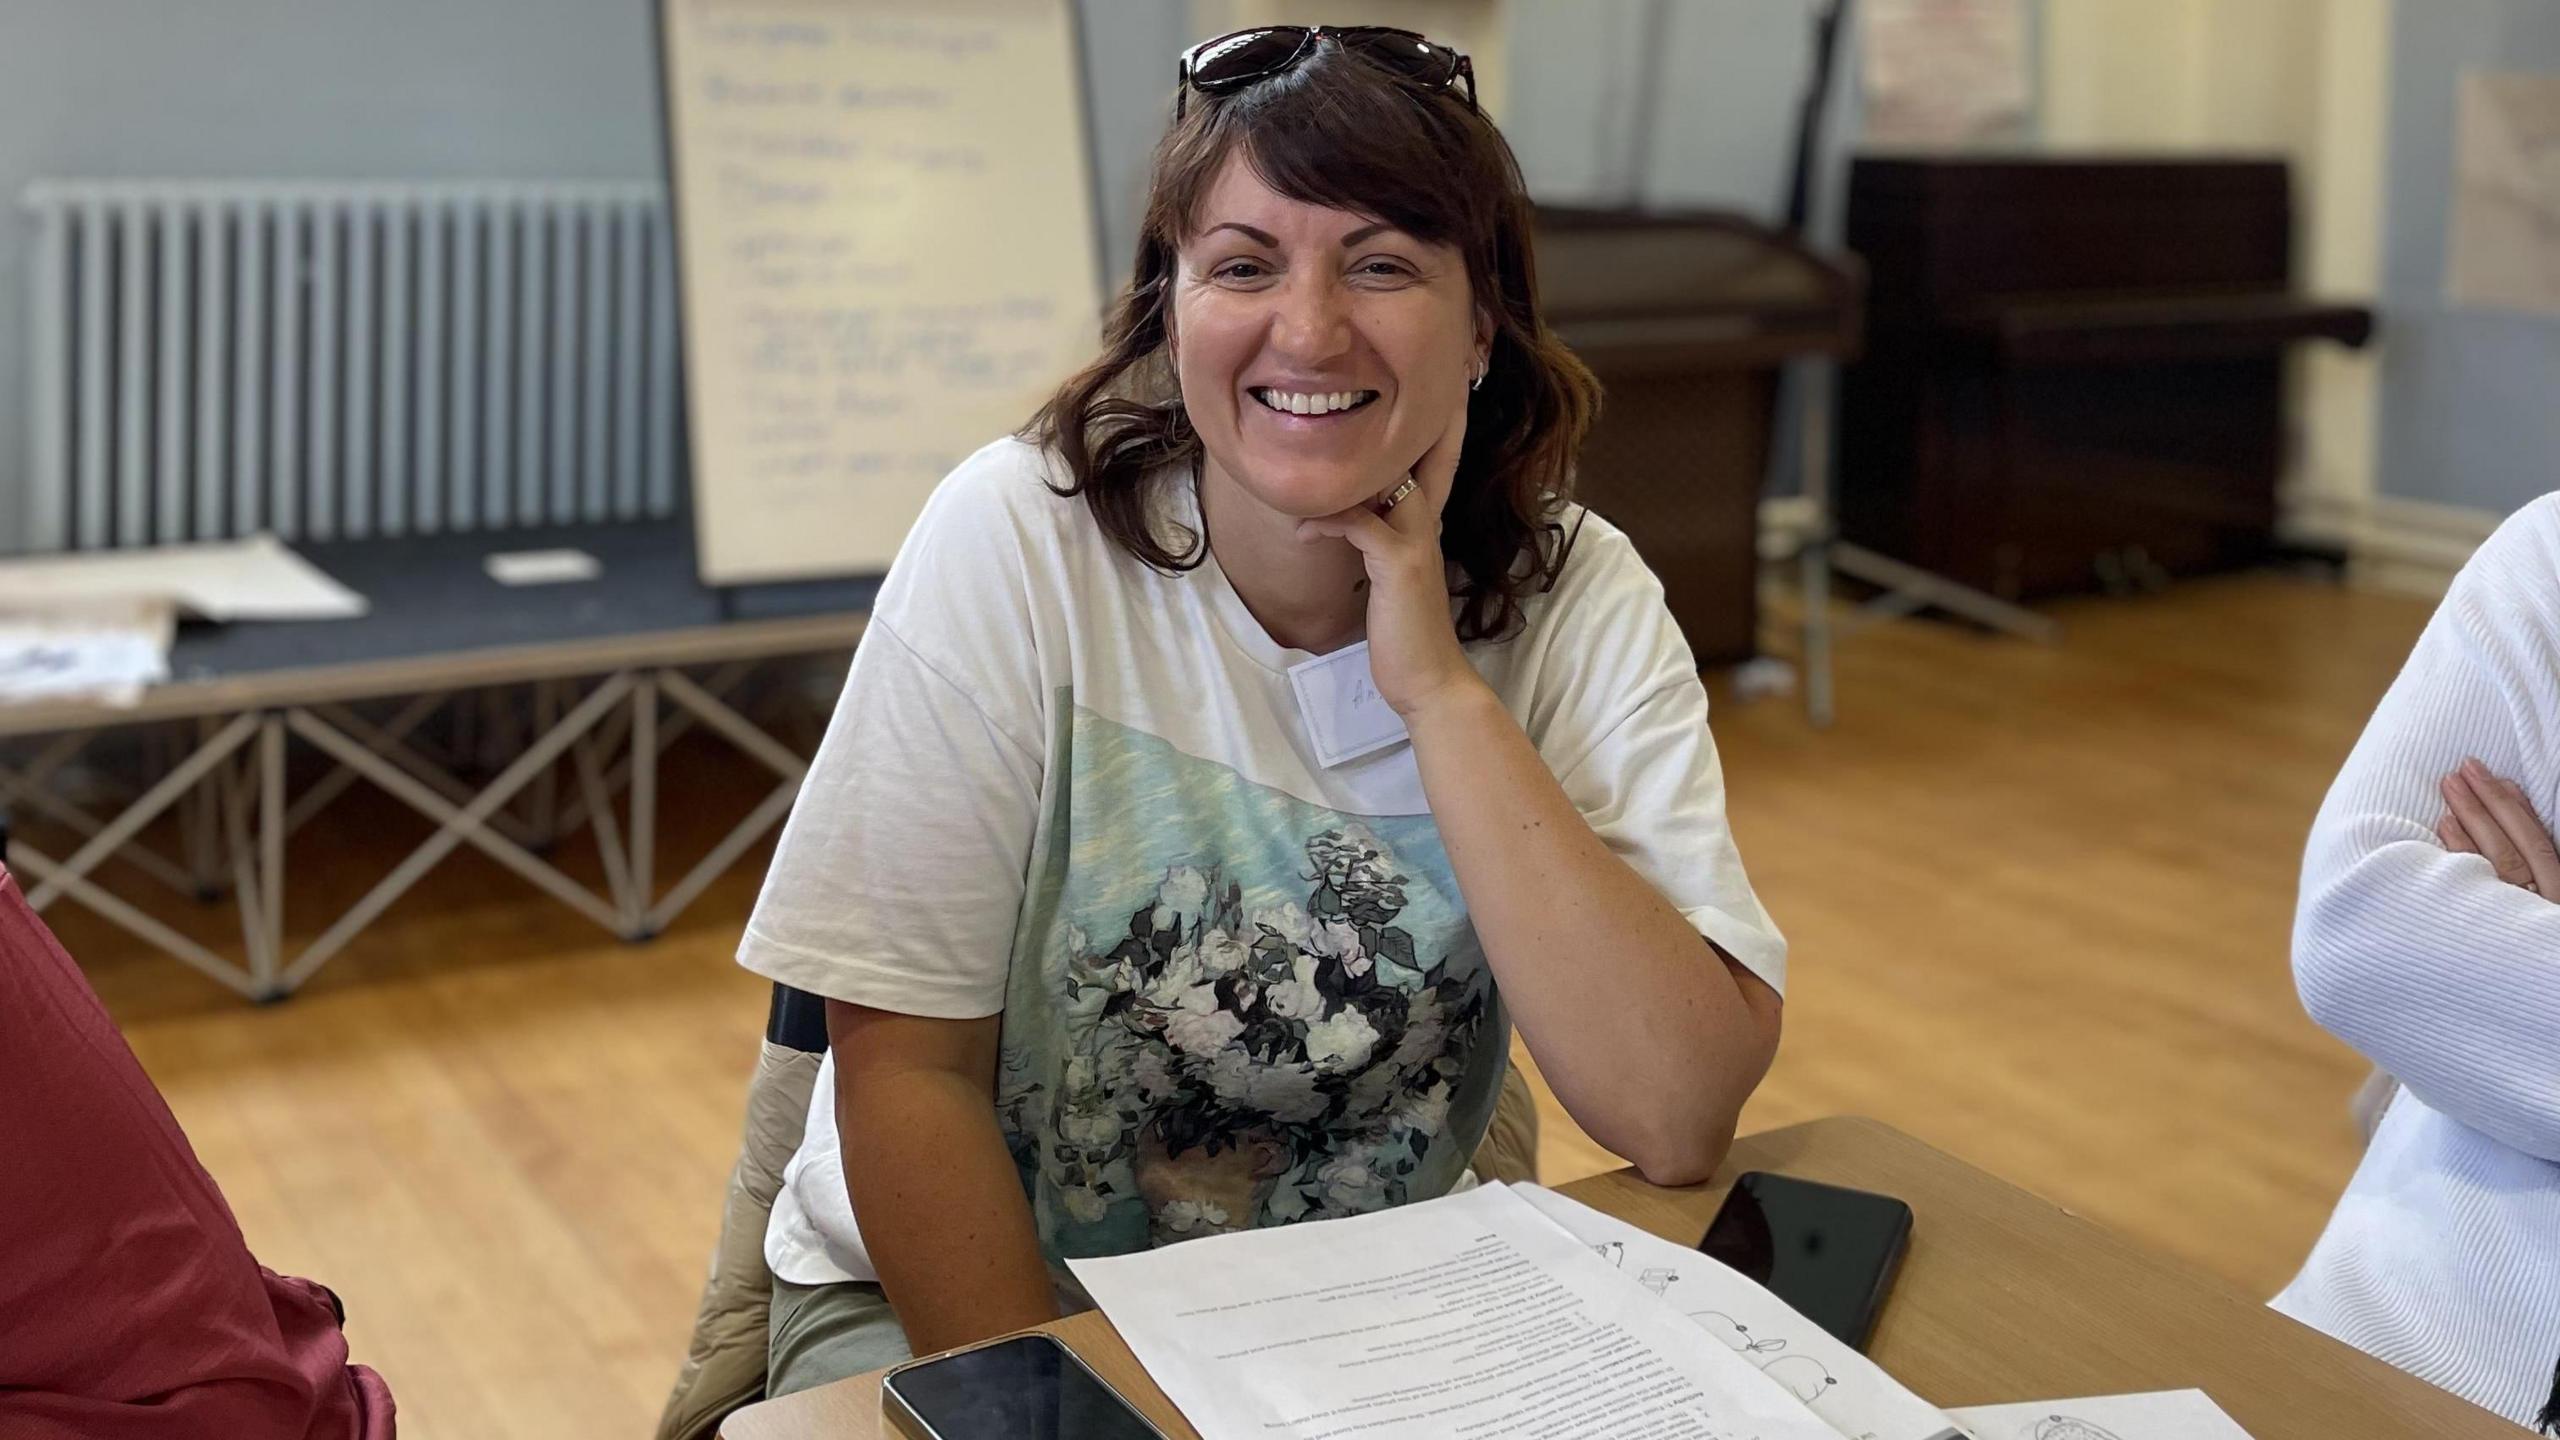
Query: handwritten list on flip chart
[[888, 259]]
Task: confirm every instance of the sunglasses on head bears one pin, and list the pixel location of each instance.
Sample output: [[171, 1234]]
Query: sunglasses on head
[[1231, 62]]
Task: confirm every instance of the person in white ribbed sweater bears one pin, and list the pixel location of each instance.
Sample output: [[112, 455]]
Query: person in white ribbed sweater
[[2427, 937]]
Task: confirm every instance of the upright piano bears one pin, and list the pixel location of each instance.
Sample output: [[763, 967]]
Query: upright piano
[[2073, 376]]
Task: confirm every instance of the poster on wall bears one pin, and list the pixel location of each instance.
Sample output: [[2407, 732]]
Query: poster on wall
[[2505, 249], [885, 229], [1945, 73]]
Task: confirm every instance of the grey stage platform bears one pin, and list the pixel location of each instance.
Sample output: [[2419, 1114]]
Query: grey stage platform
[[604, 658]]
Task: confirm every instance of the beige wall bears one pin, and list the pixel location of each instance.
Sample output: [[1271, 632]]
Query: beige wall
[[2307, 79], [2122, 74]]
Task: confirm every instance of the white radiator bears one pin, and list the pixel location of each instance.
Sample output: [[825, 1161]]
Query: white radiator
[[346, 361]]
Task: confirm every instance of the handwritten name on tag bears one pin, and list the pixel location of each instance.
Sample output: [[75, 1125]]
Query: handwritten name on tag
[[1346, 716]]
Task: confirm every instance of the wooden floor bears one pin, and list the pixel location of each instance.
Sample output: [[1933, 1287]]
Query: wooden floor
[[2038, 899]]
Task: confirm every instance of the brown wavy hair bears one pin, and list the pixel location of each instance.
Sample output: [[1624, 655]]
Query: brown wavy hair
[[1340, 132]]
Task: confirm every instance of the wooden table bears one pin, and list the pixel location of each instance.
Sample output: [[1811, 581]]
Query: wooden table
[[2002, 1297]]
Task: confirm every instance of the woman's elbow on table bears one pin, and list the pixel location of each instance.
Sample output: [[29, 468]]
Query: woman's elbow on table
[[1686, 1136], [1683, 1156]]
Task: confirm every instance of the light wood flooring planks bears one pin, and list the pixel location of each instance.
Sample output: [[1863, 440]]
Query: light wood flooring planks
[[2038, 898]]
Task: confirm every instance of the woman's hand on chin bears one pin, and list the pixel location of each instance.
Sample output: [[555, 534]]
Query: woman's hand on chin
[[1414, 655]]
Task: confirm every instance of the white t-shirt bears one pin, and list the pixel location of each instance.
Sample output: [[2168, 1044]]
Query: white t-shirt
[[1238, 987]]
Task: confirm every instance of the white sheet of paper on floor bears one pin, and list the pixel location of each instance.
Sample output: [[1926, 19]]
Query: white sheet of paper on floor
[[1849, 1391], [259, 578], [542, 567], [2158, 1415], [1427, 1321], [106, 654]]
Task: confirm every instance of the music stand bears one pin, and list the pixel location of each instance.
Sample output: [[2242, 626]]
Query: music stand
[[1904, 588]]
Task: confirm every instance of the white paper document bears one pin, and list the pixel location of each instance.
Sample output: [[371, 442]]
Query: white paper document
[[2503, 251], [254, 579], [2161, 1415], [1945, 72], [1845, 1388], [1471, 1317], [103, 654], [541, 567]]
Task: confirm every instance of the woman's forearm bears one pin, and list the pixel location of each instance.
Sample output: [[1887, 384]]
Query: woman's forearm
[[2438, 971], [941, 1206], [1649, 1038], [2422, 959]]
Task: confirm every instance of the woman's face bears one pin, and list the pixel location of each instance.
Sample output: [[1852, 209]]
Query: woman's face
[[1320, 352]]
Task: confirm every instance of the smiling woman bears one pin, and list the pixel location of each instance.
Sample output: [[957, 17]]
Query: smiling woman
[[1128, 933], [1320, 234]]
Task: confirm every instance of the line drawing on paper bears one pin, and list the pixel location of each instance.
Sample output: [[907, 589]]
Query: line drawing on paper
[[1656, 1278], [2065, 1427], [1741, 1338], [1806, 1378]]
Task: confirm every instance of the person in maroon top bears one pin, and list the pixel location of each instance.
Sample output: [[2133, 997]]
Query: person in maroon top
[[130, 1307]]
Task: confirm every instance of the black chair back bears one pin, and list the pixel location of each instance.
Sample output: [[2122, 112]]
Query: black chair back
[[797, 1021]]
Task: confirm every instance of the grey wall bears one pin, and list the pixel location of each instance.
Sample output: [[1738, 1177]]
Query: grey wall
[[1660, 103], [1730, 75], [1575, 91], [1668, 103], [1129, 51], [1663, 102], [292, 89], [2467, 405], [399, 90]]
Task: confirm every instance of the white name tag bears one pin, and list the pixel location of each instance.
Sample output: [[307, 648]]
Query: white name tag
[[1346, 717]]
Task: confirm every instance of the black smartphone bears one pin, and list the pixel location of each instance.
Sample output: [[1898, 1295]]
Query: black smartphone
[[1030, 1387], [1829, 1252]]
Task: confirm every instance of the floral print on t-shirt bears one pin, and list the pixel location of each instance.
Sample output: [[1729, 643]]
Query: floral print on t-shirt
[[1233, 1008]]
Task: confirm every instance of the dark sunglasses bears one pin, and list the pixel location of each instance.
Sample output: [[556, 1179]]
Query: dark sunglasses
[[1231, 62]]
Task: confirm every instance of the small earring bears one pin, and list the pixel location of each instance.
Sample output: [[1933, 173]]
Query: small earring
[[1480, 373]]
